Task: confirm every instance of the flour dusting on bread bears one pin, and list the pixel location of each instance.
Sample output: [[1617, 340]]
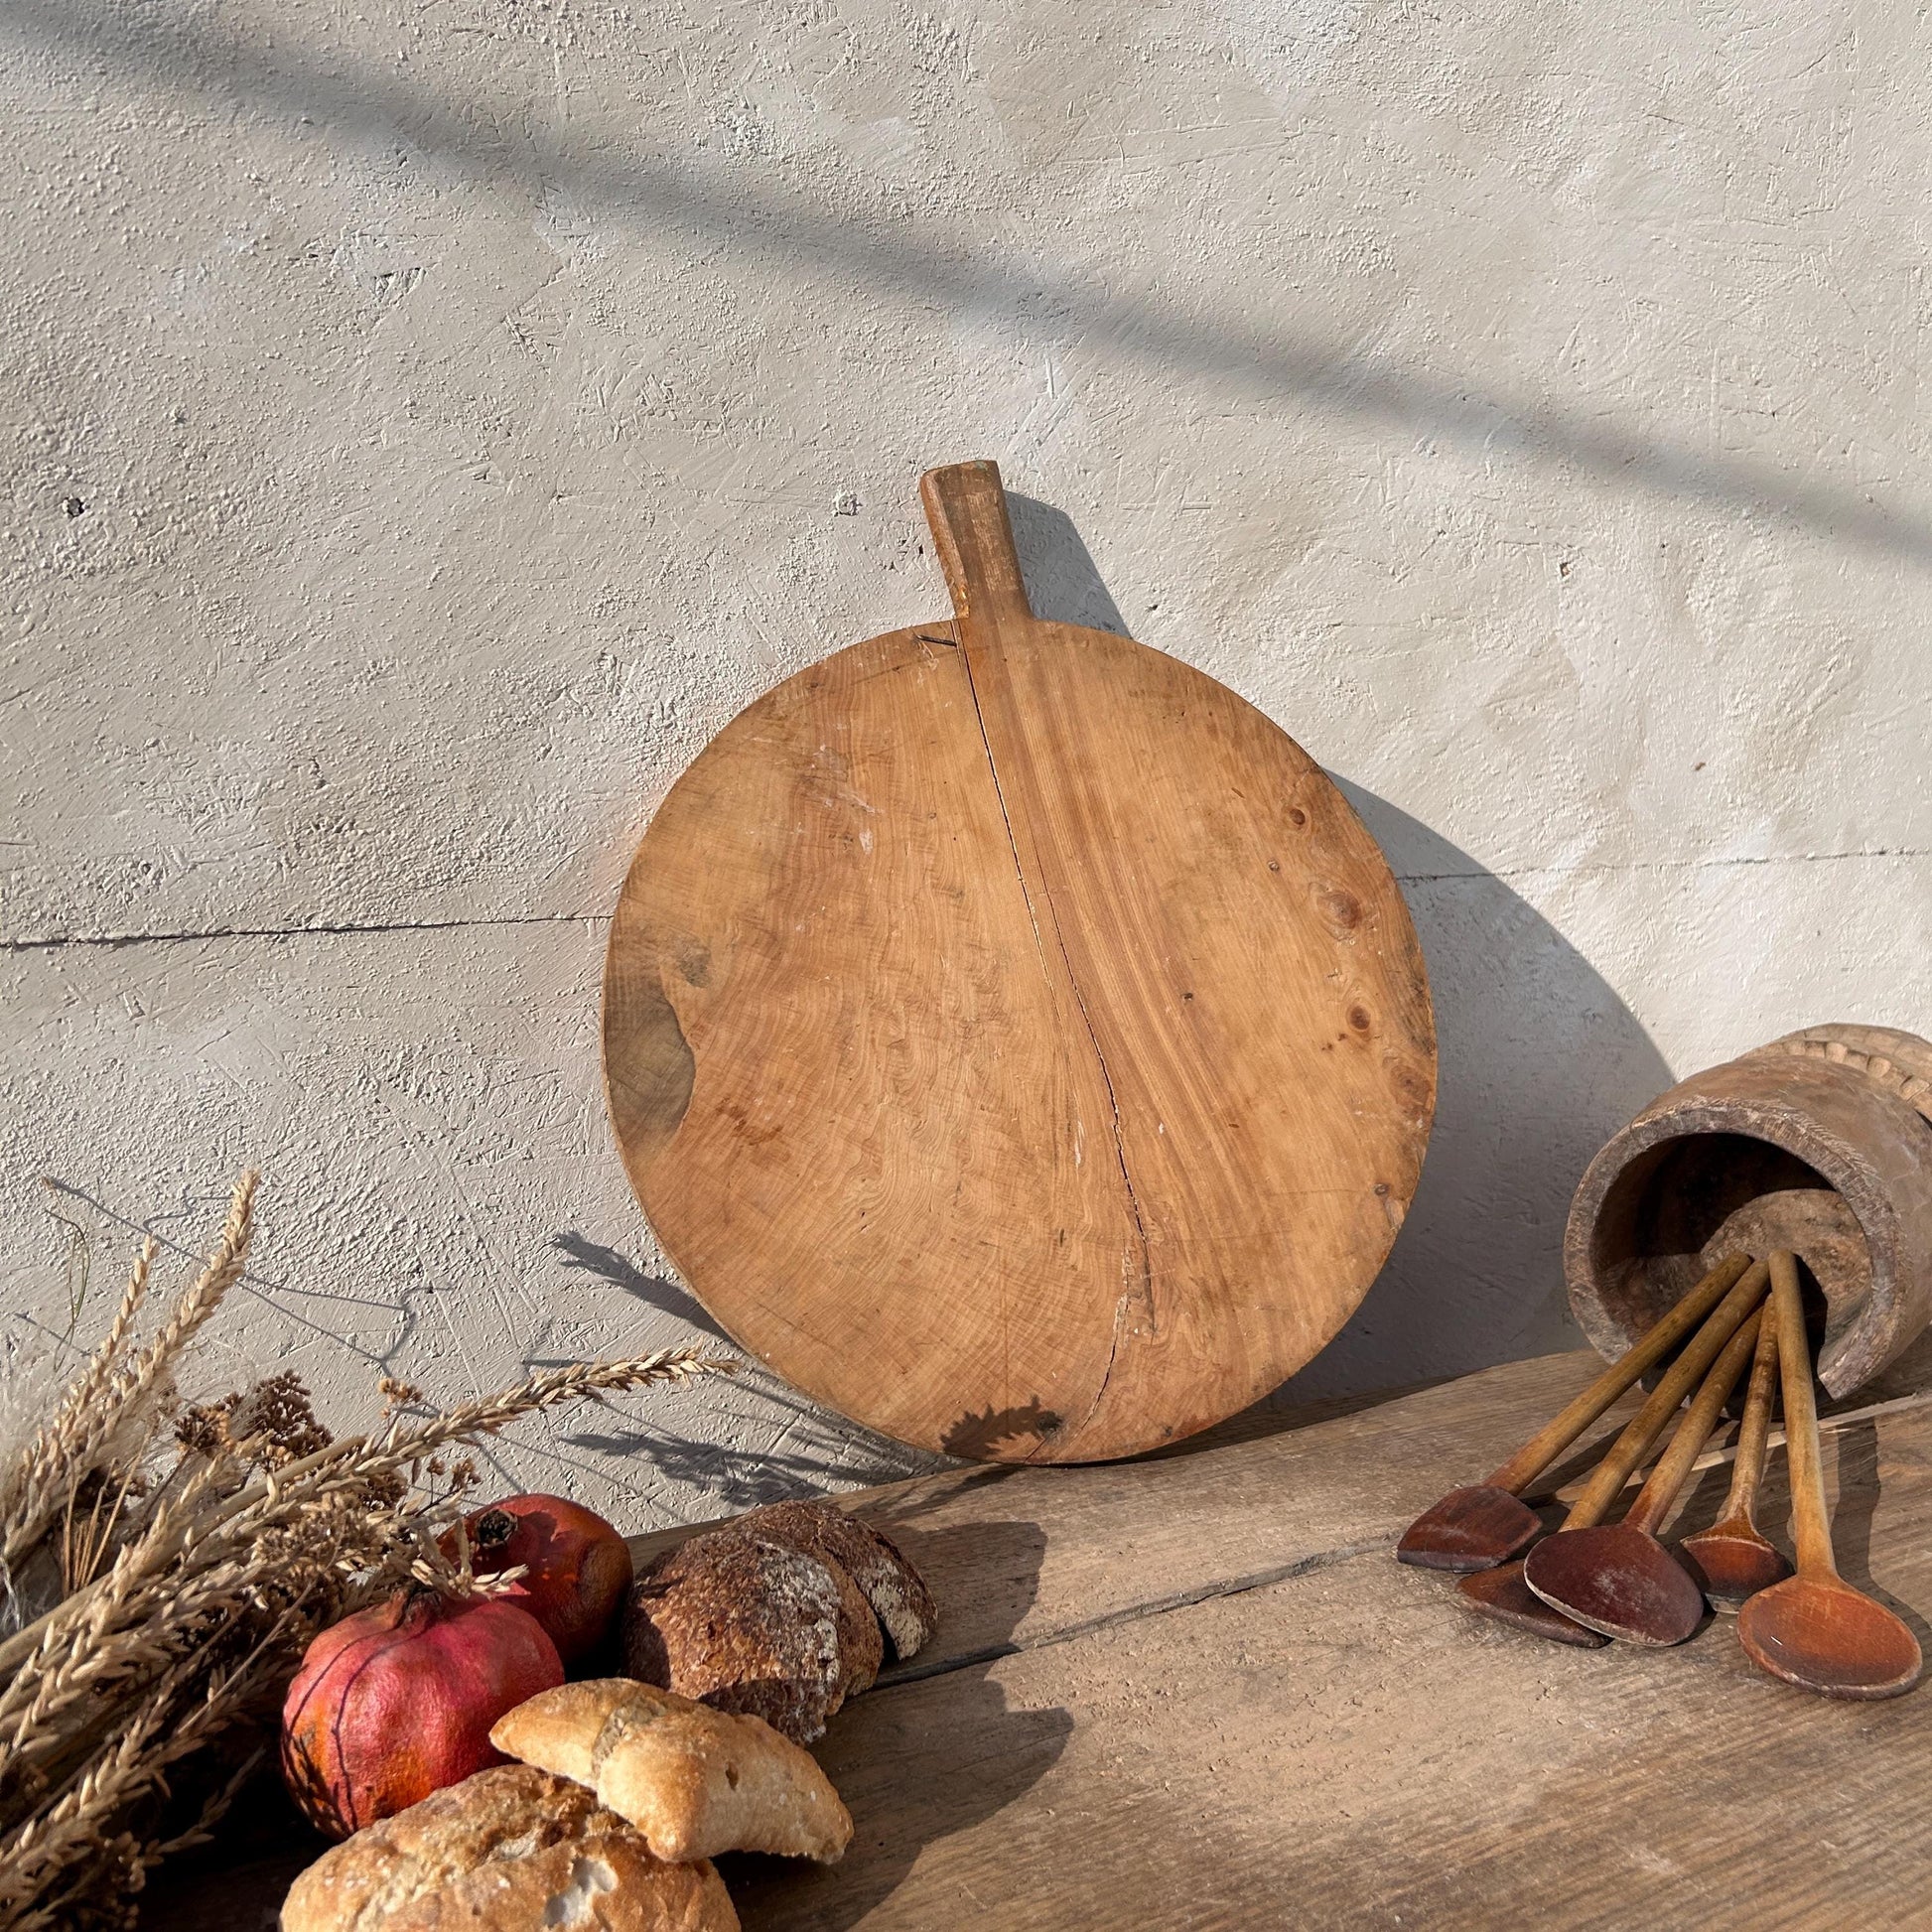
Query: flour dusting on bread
[[693, 1780]]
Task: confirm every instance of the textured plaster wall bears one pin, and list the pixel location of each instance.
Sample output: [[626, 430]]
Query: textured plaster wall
[[426, 424]]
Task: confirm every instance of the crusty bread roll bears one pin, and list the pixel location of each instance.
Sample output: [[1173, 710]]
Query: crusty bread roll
[[693, 1780], [751, 1624], [605, 1882], [509, 1849], [894, 1590]]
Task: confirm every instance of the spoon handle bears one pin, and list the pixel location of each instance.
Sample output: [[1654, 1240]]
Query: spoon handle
[[1654, 1499], [1811, 1525], [1657, 1341], [1679, 1380], [1755, 1432]]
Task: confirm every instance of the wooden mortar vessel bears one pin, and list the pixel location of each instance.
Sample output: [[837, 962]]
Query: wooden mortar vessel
[[1821, 1142]]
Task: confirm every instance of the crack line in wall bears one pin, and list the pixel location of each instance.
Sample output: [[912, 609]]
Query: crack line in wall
[[50, 942], [1665, 865]]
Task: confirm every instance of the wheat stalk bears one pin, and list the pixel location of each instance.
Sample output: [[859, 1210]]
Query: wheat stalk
[[191, 1586], [53, 1447], [112, 1393], [350, 1464], [170, 1724]]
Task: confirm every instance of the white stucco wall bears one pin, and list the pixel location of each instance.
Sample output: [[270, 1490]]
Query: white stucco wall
[[426, 425]]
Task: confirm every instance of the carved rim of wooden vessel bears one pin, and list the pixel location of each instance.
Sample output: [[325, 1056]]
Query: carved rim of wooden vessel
[[1899, 1062], [1853, 1105]]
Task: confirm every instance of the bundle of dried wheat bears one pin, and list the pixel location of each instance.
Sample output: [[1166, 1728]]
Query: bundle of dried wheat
[[162, 1569]]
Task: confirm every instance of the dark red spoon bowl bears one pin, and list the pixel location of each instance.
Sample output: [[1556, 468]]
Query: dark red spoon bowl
[[1617, 1580], [1733, 1562], [1470, 1529], [1504, 1595]]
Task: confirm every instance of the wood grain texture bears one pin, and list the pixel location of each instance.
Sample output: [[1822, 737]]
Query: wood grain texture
[[1732, 1559], [1813, 1143], [1815, 1630], [1344, 1747], [1198, 1684], [1348, 1748], [1014, 1037]]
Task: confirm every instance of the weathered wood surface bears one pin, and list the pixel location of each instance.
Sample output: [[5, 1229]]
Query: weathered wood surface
[[1820, 1141], [1195, 1692], [1012, 1034], [1021, 1568]]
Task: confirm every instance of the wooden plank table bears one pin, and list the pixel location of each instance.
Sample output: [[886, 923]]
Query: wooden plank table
[[1195, 1690]]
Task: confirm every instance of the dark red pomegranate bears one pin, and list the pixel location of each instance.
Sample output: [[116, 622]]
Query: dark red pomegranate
[[397, 1701], [576, 1568]]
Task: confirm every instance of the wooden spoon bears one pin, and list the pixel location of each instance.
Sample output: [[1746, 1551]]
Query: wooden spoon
[[1814, 1629], [1487, 1523], [1616, 1577], [1731, 1557], [1502, 1592]]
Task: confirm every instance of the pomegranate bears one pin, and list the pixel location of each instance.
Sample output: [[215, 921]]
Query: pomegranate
[[576, 1568], [396, 1702]]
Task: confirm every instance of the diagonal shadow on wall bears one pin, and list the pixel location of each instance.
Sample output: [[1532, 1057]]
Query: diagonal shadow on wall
[[1539, 1061], [577, 1251], [197, 56], [801, 1450]]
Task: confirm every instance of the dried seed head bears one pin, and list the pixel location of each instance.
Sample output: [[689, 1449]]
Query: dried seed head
[[492, 1527], [206, 1573]]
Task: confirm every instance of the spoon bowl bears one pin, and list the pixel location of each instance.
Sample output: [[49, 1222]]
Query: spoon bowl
[[1731, 1558], [1814, 1629], [1734, 1562], [1818, 1633], [1502, 1592], [1504, 1595], [1470, 1529], [1487, 1523], [1617, 1579]]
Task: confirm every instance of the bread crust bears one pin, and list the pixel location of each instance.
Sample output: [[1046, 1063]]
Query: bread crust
[[604, 1882], [894, 1590], [751, 1624], [693, 1780], [506, 1849]]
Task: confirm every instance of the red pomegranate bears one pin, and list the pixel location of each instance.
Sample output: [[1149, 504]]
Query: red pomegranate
[[397, 1701], [576, 1568]]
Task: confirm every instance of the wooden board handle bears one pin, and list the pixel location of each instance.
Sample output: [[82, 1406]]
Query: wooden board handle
[[966, 505]]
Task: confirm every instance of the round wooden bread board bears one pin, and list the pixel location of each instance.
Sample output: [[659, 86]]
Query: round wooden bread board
[[1012, 1035]]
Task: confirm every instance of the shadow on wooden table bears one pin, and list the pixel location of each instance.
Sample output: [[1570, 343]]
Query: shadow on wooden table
[[1857, 1504], [236, 1882], [985, 1578], [1854, 1450], [997, 1751]]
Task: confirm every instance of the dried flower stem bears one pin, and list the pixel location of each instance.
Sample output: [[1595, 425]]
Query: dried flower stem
[[112, 1391], [192, 1584]]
